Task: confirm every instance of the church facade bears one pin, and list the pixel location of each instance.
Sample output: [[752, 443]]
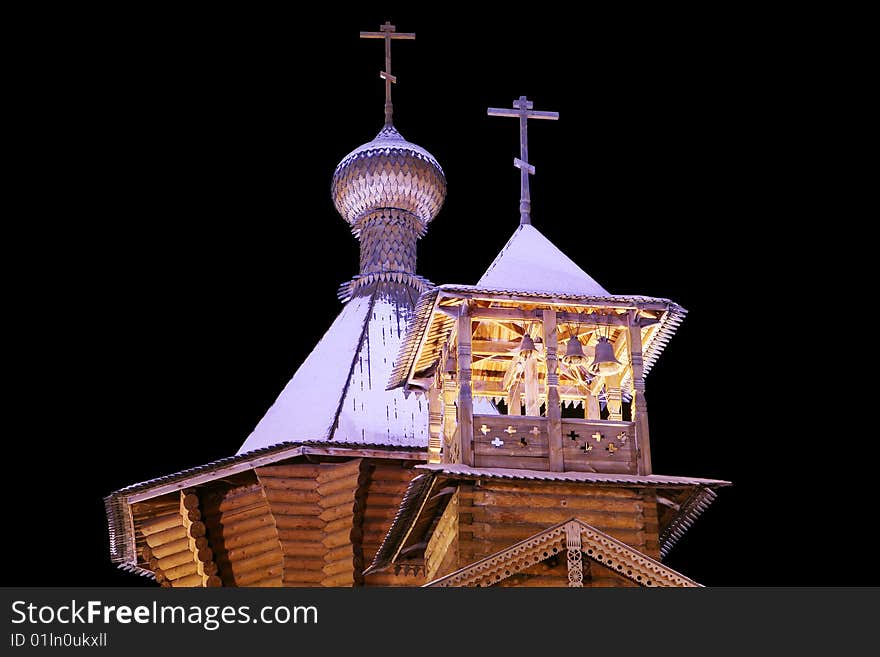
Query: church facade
[[493, 434]]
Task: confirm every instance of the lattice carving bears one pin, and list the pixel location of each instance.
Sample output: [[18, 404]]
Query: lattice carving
[[580, 540], [575, 556]]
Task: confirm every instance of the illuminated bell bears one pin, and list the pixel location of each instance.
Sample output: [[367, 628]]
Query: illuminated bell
[[604, 363], [526, 347], [574, 353]]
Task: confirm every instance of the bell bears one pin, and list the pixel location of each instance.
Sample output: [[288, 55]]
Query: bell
[[526, 347], [574, 353], [604, 363]]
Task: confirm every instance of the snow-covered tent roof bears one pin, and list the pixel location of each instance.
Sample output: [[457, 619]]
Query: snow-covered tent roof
[[529, 262]]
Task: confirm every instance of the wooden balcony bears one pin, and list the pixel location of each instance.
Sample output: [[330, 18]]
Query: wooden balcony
[[522, 442]]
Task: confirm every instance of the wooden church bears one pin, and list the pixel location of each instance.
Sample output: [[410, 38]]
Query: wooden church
[[457, 435]]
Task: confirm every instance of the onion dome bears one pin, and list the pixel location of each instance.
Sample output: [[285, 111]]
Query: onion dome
[[388, 173]]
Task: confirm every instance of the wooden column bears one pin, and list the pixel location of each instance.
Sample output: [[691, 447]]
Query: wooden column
[[514, 403], [533, 402], [450, 450], [554, 410], [639, 407], [591, 407], [465, 394], [613, 397], [435, 422]]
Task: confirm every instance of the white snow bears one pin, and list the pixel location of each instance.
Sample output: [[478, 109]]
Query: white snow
[[306, 408], [529, 262], [369, 413]]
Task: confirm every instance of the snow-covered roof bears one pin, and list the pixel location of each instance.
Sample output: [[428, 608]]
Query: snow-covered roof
[[338, 393], [529, 262]]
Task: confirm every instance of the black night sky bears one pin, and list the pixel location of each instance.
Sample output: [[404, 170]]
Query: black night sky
[[182, 254]]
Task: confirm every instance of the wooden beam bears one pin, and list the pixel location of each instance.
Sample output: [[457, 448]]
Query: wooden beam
[[492, 347], [639, 407], [465, 395], [554, 409], [478, 295]]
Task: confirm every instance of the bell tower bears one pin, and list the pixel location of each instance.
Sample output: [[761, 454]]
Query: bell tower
[[558, 489]]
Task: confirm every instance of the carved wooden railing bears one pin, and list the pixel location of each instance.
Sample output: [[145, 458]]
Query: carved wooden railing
[[522, 442]]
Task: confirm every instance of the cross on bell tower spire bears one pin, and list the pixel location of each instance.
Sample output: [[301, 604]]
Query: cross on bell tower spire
[[522, 109], [388, 32]]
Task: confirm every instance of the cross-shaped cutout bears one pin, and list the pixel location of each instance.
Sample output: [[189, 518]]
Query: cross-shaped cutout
[[497, 442], [523, 442], [535, 431], [510, 430], [622, 437], [598, 436], [587, 448], [573, 435], [484, 429], [611, 447]]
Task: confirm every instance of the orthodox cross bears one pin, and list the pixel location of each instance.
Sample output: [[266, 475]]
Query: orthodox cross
[[522, 109], [387, 32]]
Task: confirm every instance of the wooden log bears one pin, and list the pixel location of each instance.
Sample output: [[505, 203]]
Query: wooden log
[[299, 549], [340, 566], [190, 501], [256, 562], [387, 473], [337, 512], [194, 515], [235, 515], [341, 579], [205, 554], [166, 584], [303, 576], [160, 523], [210, 568], [166, 536], [251, 495], [250, 549], [248, 524], [499, 499], [294, 470], [288, 483], [393, 488], [332, 471], [303, 563], [213, 582], [344, 484], [180, 571], [291, 496], [338, 538], [201, 542], [284, 509], [197, 529], [249, 537], [171, 560], [261, 576], [335, 554], [155, 507], [345, 498], [193, 580], [298, 522], [168, 549], [160, 576], [547, 487], [599, 519], [300, 534], [345, 522]]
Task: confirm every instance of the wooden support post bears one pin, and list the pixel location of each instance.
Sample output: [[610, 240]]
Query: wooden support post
[[465, 394], [613, 397], [591, 407], [639, 407], [514, 401], [533, 403], [435, 423], [554, 409], [450, 450]]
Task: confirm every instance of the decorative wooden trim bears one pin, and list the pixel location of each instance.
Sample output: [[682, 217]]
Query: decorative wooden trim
[[595, 545]]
